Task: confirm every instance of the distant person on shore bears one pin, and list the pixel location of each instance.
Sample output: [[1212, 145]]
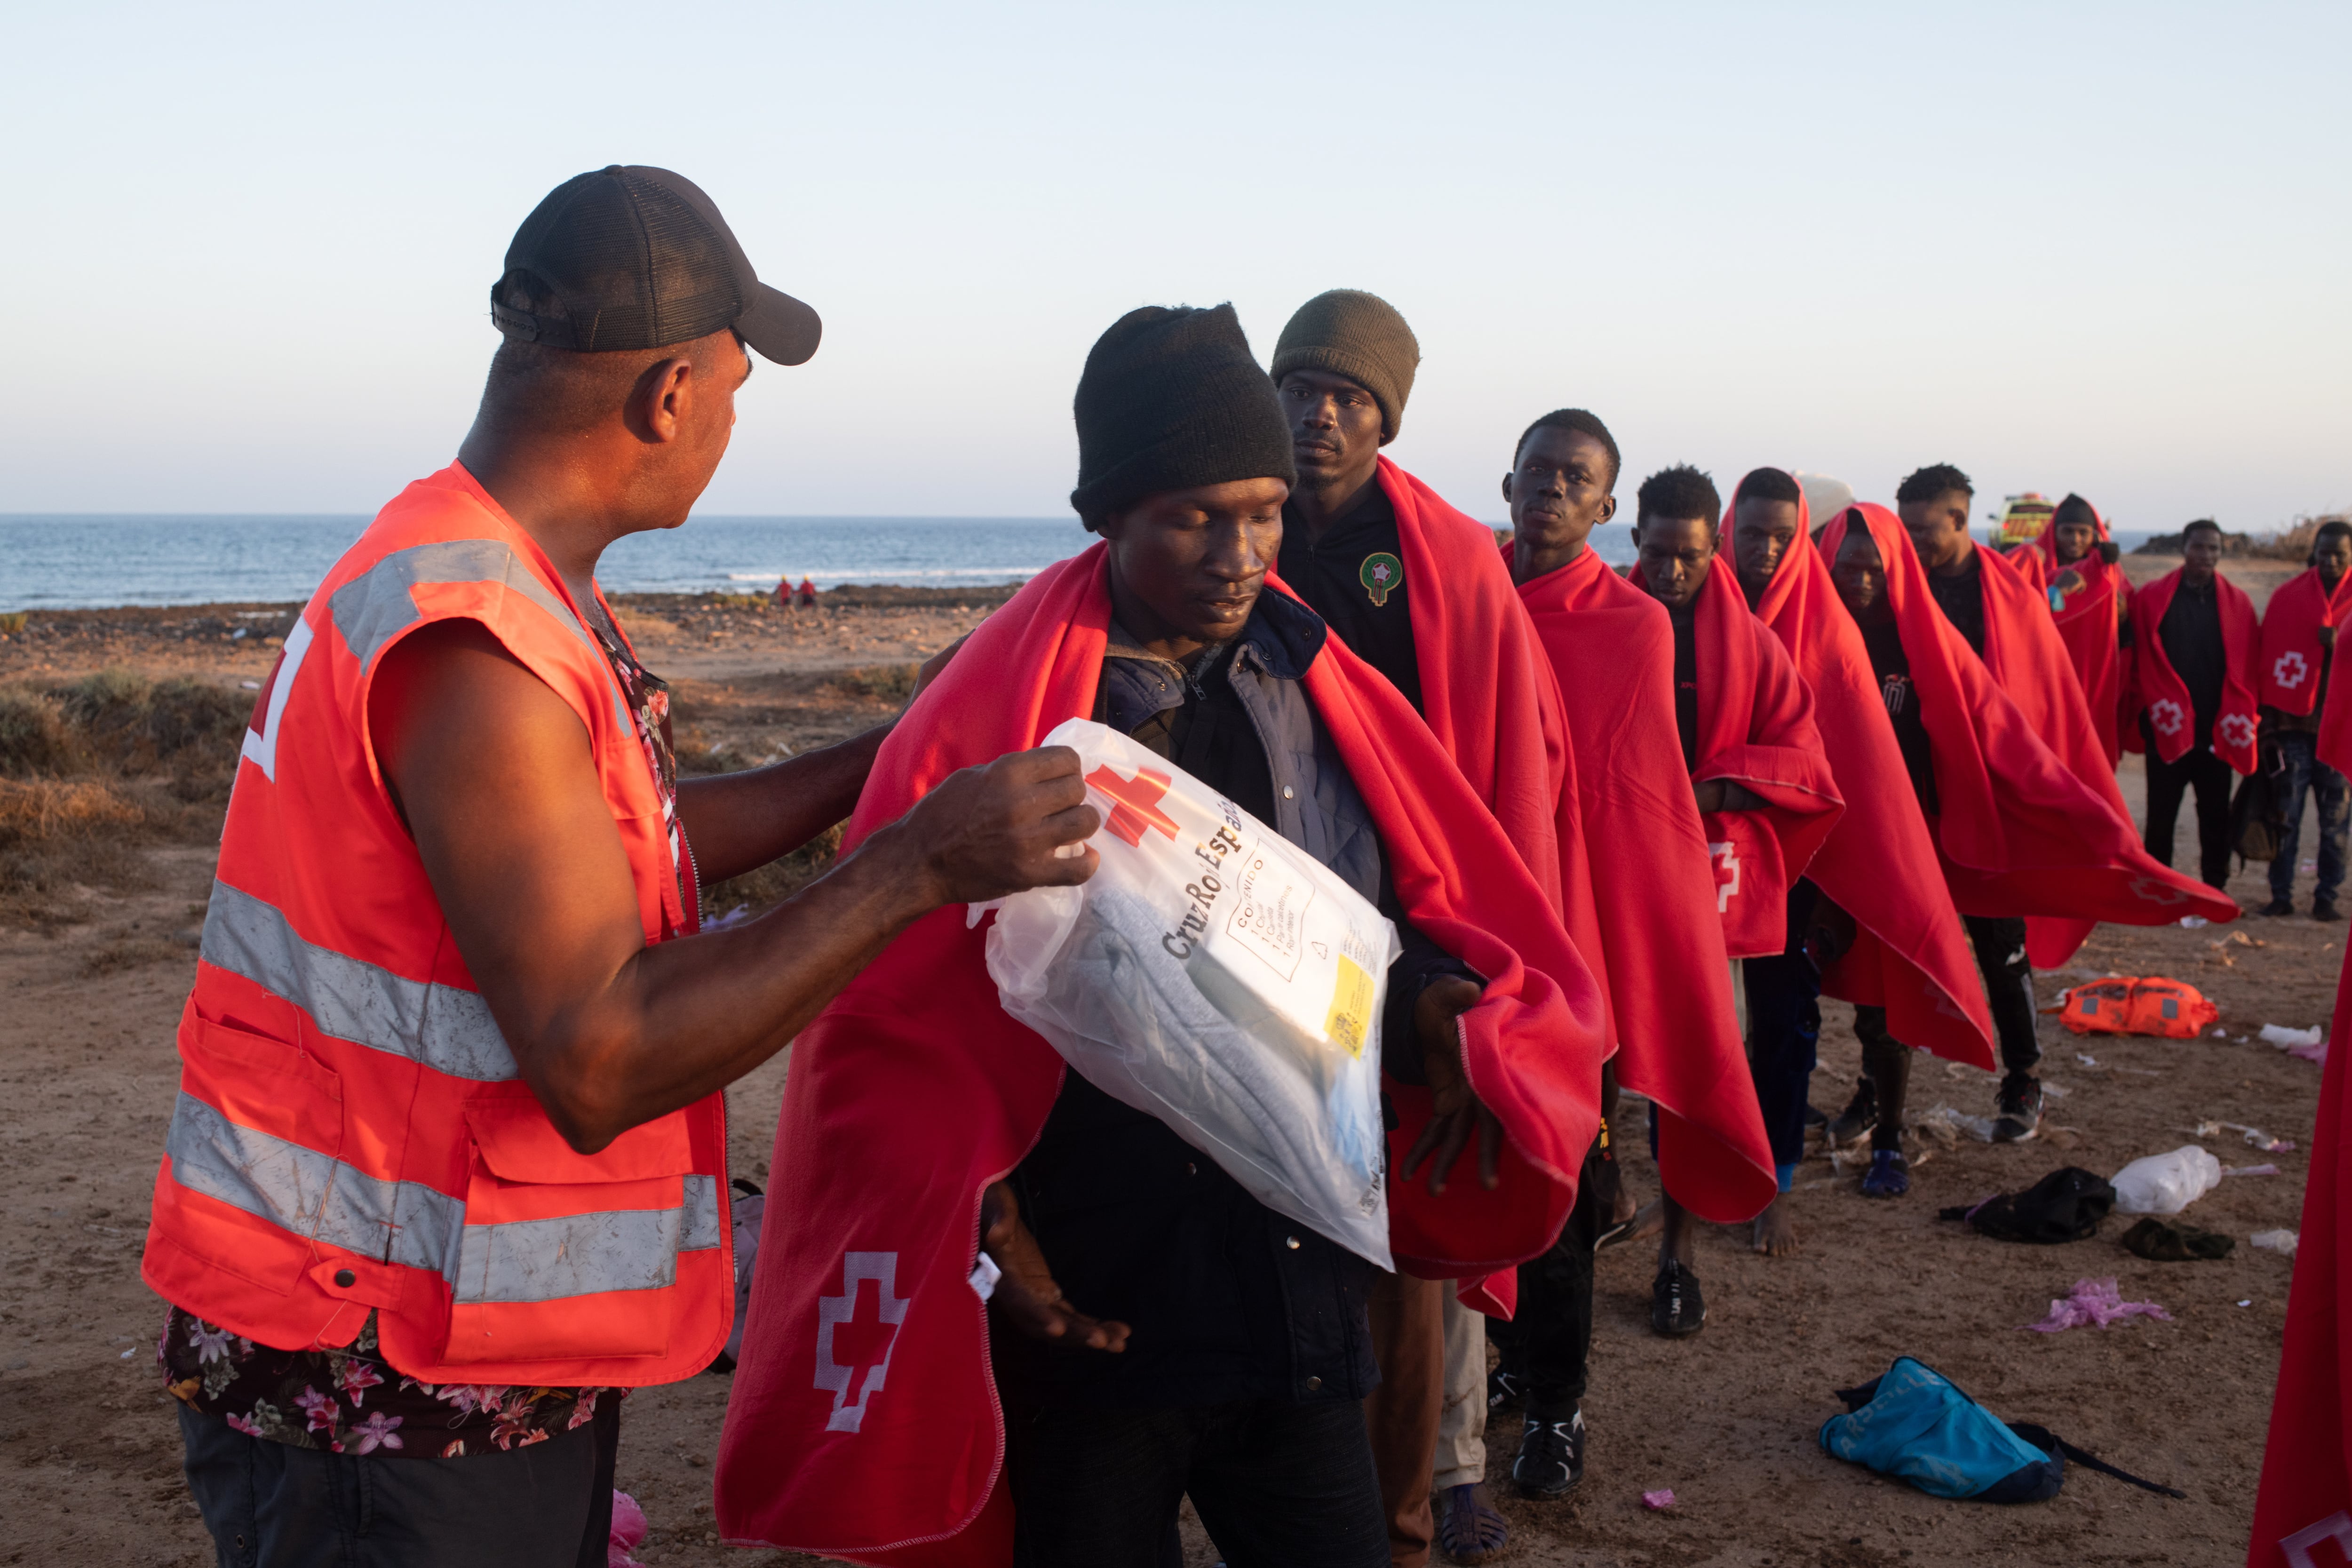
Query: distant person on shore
[[1414, 588], [448, 1164], [2079, 572], [2196, 644], [2298, 652], [1238, 1350], [807, 597], [2017, 830], [1676, 1021], [1768, 801]]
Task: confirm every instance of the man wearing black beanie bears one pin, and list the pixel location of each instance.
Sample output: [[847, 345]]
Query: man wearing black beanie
[[1231, 1353]]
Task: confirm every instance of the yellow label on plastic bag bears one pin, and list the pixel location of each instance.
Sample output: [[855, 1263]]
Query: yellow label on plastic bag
[[1350, 1020]]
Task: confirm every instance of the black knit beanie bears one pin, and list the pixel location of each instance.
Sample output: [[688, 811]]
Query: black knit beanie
[[1360, 336], [1173, 398]]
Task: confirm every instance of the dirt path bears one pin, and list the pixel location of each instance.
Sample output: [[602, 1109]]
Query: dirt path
[[1726, 1420]]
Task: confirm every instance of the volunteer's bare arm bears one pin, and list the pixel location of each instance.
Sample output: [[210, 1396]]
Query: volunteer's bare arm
[[493, 773]]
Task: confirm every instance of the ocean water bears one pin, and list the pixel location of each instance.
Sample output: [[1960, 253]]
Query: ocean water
[[81, 562]]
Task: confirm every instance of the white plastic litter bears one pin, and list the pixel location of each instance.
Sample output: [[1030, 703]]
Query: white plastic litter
[[1954, 1124], [2194, 922], [2165, 1183], [2278, 1241], [1213, 975], [2310, 1045]]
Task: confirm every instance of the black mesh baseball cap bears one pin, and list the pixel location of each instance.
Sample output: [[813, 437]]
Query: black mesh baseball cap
[[637, 257]]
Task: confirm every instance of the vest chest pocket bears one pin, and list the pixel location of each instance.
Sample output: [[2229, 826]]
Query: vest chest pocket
[[564, 1255]]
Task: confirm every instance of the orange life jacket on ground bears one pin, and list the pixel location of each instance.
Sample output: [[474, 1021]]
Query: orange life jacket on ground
[[2124, 1006], [351, 1131]]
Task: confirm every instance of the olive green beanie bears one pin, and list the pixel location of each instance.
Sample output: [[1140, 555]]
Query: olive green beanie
[[1360, 336]]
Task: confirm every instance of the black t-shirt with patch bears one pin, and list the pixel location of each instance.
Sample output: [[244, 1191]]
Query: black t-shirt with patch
[[1353, 576]]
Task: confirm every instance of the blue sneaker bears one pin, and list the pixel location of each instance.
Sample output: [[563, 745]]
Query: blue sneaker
[[1889, 1175]]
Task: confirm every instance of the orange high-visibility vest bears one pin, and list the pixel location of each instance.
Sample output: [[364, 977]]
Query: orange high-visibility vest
[[351, 1131]]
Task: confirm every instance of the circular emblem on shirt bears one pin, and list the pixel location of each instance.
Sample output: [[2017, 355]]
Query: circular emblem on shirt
[[1381, 574]]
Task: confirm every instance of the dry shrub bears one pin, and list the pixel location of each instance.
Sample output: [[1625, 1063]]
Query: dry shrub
[[36, 809], [133, 952], [178, 723], [892, 683], [33, 736], [757, 893], [56, 836]]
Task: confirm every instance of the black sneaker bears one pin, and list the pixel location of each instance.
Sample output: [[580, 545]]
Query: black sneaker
[[1505, 1390], [1854, 1122], [2019, 1115], [2277, 909], [1676, 1307], [1551, 1458], [2325, 911], [1889, 1175]]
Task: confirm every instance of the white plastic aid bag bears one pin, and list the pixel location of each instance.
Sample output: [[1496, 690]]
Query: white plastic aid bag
[[2165, 1183], [1212, 975]]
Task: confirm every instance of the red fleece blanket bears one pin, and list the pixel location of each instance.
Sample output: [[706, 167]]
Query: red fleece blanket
[[1910, 954], [2019, 830], [2292, 658], [2169, 712], [2306, 1485], [1756, 729], [1678, 1037], [2088, 615], [914, 1090]]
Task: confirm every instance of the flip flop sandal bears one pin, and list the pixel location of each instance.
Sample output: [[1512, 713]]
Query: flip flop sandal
[[1468, 1528]]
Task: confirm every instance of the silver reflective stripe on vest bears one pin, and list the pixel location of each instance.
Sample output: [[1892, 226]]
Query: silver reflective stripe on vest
[[444, 1027], [702, 1221], [376, 605], [582, 1254], [313, 1195]]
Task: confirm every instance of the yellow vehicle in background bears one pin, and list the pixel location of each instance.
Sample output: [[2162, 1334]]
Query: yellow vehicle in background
[[2022, 520]]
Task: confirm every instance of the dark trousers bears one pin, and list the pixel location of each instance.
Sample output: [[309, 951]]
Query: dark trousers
[[2000, 942], [273, 1505], [2302, 773], [1549, 1340], [1277, 1484], [1784, 1033], [2166, 783]]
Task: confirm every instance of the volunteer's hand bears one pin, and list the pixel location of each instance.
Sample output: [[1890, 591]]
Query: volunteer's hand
[[1454, 1111], [1026, 1294], [933, 665], [986, 832]]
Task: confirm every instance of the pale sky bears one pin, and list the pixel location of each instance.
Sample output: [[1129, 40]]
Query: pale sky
[[2099, 247]]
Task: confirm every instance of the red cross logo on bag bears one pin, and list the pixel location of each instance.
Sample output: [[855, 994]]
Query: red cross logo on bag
[[846, 1343], [1135, 804]]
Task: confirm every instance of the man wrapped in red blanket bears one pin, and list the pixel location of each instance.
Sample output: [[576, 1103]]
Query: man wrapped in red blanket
[[2195, 650], [2015, 828], [1667, 976], [2298, 653], [1769, 799], [2302, 1509], [2074, 563], [923, 1129], [1412, 587]]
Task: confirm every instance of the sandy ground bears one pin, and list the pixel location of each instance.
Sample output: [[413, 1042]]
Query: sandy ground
[[1727, 1419]]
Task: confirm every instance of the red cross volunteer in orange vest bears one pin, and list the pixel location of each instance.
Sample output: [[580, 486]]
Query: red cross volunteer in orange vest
[[449, 1159]]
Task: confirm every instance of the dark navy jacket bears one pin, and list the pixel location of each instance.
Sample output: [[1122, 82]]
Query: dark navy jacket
[[1228, 1300]]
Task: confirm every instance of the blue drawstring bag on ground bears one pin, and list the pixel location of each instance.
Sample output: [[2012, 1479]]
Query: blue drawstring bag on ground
[[1913, 1424]]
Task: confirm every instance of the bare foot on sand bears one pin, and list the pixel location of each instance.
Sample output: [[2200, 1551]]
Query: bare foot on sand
[[1776, 1233]]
